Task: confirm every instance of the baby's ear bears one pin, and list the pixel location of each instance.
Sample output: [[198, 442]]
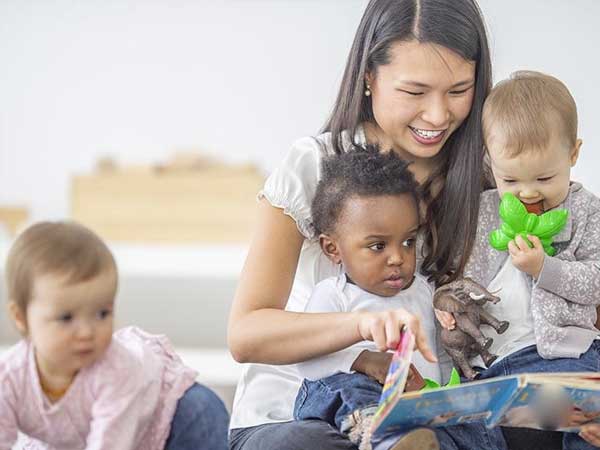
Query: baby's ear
[[575, 151], [330, 248], [18, 316]]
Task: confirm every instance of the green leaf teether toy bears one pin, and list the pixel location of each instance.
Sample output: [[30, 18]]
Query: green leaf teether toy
[[517, 221]]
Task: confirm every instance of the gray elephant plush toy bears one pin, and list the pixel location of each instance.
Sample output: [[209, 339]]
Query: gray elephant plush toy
[[464, 298]]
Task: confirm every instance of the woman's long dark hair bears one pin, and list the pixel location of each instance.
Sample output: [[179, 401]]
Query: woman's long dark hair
[[458, 25]]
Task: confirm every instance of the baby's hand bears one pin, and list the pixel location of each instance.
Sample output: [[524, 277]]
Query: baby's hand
[[591, 433], [373, 364], [527, 259], [384, 329], [445, 319]]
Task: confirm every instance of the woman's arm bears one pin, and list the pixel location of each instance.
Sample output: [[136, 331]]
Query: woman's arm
[[261, 331]]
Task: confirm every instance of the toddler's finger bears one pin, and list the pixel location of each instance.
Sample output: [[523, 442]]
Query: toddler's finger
[[446, 319], [512, 248], [591, 433], [521, 243], [591, 438], [450, 321], [424, 348], [537, 244], [421, 341], [378, 334], [392, 334]]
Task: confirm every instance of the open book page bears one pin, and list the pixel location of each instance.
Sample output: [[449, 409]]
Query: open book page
[[470, 402], [554, 401]]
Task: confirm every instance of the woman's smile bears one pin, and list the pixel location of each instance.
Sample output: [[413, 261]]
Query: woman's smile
[[427, 137]]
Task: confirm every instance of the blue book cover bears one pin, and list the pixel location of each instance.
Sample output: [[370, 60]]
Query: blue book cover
[[552, 401]]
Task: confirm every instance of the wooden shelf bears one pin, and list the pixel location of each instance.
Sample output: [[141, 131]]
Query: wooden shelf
[[173, 261]]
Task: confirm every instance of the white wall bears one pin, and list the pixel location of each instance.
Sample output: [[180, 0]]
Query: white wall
[[561, 38], [138, 79]]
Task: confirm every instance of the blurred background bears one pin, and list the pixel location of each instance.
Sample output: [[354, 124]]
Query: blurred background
[[155, 122]]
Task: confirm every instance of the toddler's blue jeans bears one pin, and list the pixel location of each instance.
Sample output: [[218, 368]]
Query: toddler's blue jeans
[[200, 422]]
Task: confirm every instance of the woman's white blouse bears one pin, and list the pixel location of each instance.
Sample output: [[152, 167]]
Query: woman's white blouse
[[266, 393]]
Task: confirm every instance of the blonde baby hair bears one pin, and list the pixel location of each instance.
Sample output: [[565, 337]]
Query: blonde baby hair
[[525, 111], [65, 249]]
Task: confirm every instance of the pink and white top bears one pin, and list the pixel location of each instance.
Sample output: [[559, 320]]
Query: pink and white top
[[125, 400]]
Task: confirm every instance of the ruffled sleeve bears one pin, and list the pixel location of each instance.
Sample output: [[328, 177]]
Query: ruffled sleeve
[[292, 185]]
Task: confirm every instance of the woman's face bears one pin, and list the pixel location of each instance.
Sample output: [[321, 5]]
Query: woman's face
[[420, 98]]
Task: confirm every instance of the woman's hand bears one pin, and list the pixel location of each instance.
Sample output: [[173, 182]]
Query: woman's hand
[[373, 364], [384, 328], [445, 319]]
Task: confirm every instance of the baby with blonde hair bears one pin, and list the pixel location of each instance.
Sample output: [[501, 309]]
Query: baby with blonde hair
[[73, 383], [550, 301]]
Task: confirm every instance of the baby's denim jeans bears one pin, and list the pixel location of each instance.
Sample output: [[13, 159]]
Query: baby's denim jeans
[[333, 398], [200, 422]]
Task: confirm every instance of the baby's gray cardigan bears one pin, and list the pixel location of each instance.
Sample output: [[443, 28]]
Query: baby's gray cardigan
[[565, 296]]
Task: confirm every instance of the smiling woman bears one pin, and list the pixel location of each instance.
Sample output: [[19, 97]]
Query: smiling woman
[[414, 84], [419, 99]]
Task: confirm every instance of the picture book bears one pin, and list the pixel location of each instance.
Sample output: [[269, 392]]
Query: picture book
[[550, 401]]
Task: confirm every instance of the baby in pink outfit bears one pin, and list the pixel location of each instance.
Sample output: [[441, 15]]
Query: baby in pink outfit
[[72, 383]]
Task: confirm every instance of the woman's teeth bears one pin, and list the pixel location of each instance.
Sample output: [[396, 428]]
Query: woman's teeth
[[427, 134]]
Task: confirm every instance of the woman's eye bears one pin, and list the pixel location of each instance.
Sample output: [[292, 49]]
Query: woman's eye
[[411, 92], [459, 92], [377, 246]]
